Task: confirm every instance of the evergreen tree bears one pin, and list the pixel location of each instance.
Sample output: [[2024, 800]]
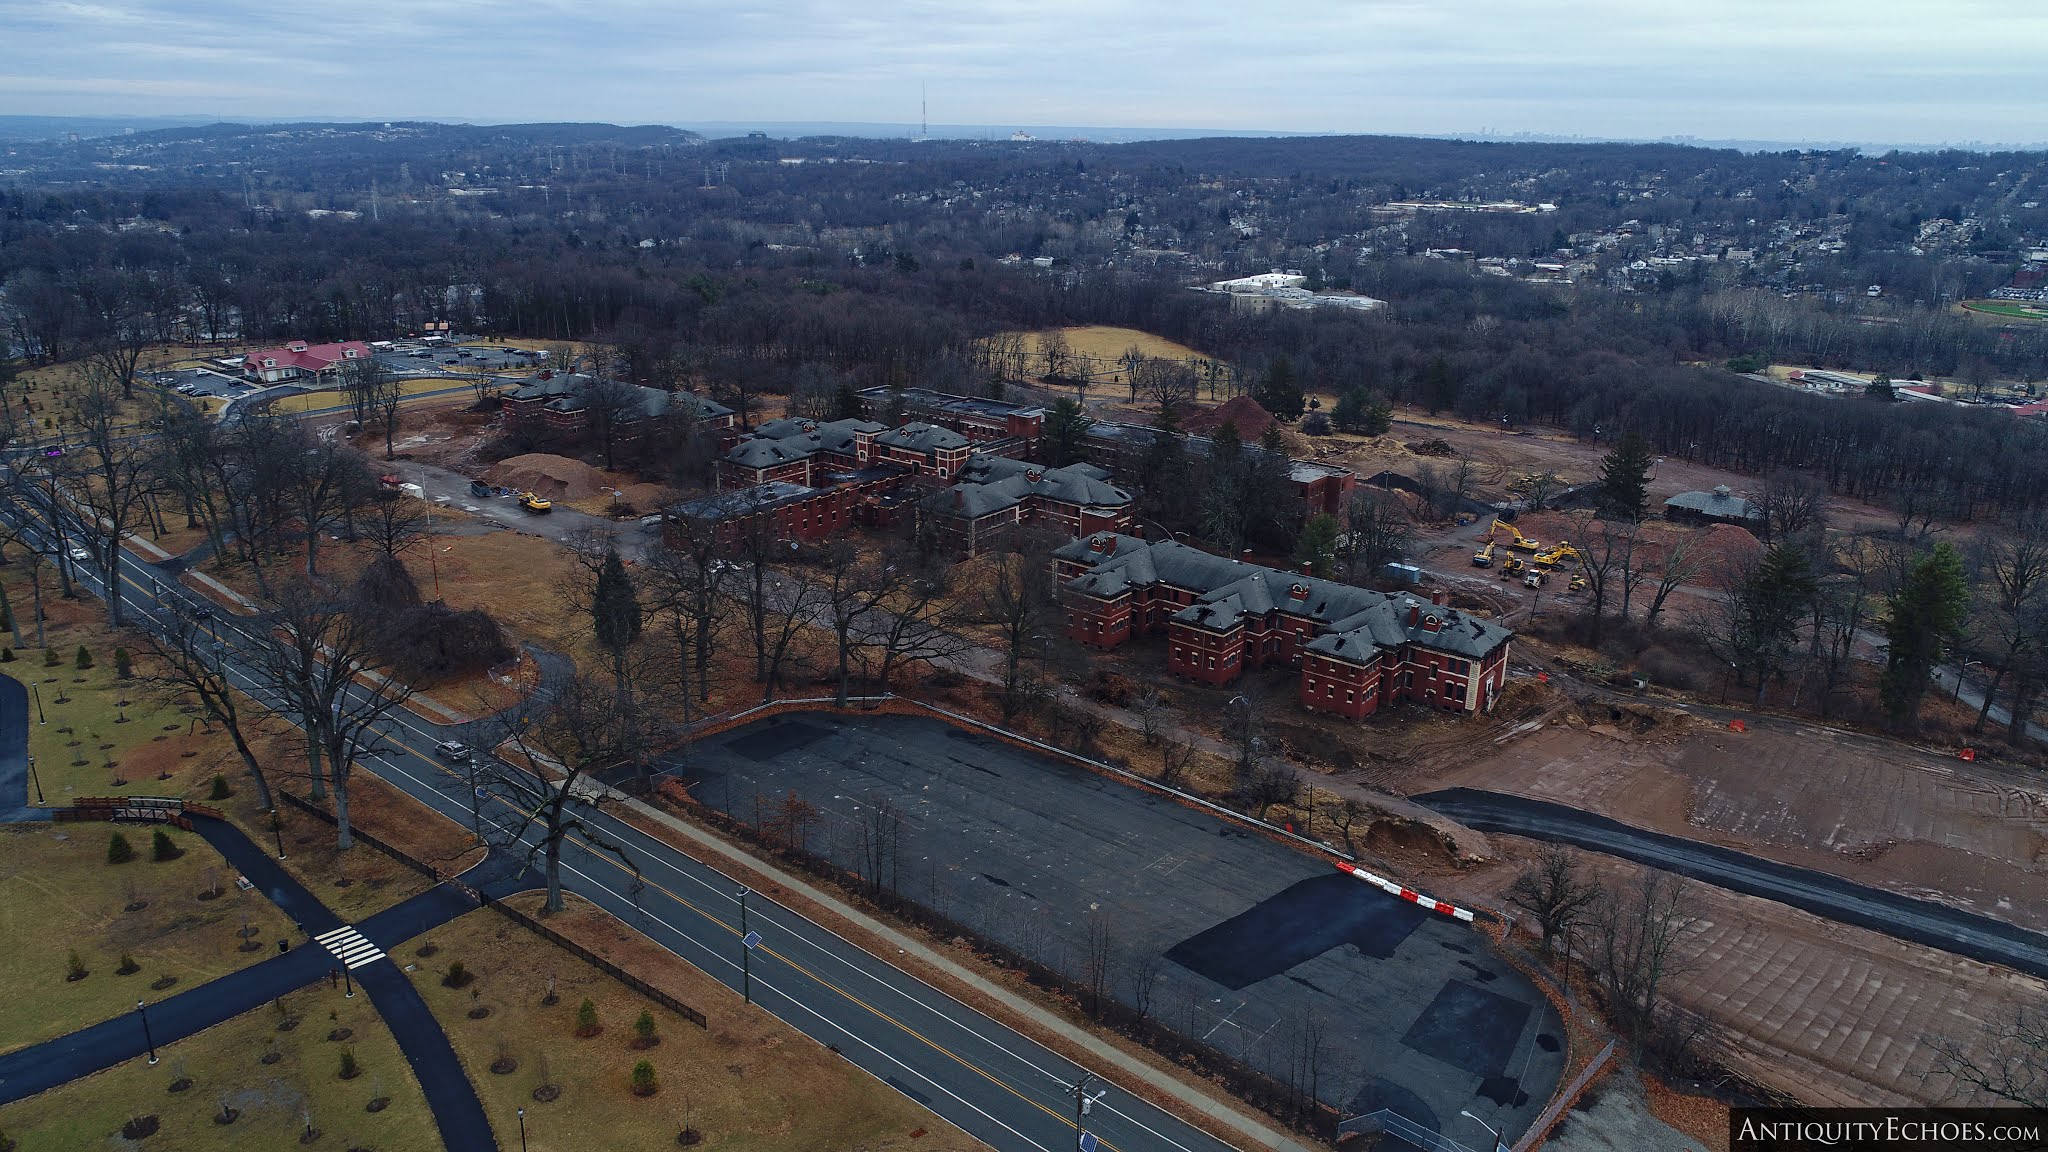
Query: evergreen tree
[[1921, 619], [1359, 411], [1165, 480], [1625, 479], [1064, 434], [615, 612], [1316, 547], [845, 402], [1768, 608], [1279, 393]]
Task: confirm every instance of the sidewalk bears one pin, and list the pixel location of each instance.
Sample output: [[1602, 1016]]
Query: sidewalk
[[1108, 1056]]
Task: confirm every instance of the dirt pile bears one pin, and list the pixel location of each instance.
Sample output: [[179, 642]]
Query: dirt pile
[[551, 477], [1440, 448]]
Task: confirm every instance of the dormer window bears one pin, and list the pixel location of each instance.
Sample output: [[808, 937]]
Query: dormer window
[[348, 353]]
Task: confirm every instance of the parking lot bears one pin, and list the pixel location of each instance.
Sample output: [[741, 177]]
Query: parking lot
[[488, 357], [200, 382], [1265, 953]]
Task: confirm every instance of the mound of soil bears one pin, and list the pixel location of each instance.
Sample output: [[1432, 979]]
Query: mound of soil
[[551, 477], [1431, 448]]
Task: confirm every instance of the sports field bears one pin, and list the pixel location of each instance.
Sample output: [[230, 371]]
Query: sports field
[[2012, 309]]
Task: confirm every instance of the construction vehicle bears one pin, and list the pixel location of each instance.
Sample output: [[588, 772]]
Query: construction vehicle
[[1520, 543], [1484, 557], [534, 503], [1564, 551], [1578, 584], [1512, 566], [1535, 578]]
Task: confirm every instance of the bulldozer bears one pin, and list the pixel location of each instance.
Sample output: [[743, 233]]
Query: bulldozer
[[1512, 566], [1519, 542], [1578, 584], [1484, 557]]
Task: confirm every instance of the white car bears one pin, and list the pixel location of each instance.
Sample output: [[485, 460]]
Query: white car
[[453, 751], [77, 552]]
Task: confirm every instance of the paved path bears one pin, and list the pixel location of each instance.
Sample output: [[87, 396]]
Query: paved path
[[14, 785], [1830, 897]]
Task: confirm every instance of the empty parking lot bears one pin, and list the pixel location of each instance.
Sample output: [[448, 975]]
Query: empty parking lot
[[1254, 947]]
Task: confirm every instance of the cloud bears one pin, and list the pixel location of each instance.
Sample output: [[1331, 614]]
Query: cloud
[[1830, 69]]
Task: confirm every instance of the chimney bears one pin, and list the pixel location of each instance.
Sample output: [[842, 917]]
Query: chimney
[[959, 498], [1308, 568], [1439, 597], [1245, 556], [1414, 613]]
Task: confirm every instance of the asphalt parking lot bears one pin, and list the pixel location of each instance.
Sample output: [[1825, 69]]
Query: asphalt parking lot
[[1254, 947]]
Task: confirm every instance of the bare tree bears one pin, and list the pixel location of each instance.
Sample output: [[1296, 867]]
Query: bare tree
[[112, 474], [1142, 971], [186, 661], [1018, 601], [685, 587], [2014, 564], [323, 480], [1794, 506], [610, 405], [1555, 892], [1175, 758], [1377, 533], [1636, 935], [777, 603], [913, 622], [572, 728], [1270, 784], [1682, 562], [880, 842], [1098, 962], [851, 590], [1055, 354], [2010, 1063], [396, 523], [1241, 732], [319, 657]]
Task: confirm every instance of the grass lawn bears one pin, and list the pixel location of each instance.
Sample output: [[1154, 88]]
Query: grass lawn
[[2011, 308], [1108, 344], [225, 1063], [58, 893], [748, 1083]]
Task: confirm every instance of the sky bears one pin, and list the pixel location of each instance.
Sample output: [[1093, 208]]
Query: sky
[[1877, 71]]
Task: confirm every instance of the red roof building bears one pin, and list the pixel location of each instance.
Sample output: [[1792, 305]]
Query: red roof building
[[298, 360]]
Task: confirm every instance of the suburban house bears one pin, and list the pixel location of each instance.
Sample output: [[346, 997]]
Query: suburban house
[[1717, 507], [993, 496], [975, 417], [299, 360], [560, 404], [1357, 649]]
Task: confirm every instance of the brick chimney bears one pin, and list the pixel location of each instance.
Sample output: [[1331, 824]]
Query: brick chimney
[[1414, 613], [1439, 596]]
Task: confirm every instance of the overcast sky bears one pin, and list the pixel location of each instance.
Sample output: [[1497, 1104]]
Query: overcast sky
[[1867, 70]]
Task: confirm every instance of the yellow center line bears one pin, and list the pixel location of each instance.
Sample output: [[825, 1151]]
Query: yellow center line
[[934, 1045]]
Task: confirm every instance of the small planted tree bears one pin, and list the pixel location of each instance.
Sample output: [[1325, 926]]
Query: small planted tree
[[644, 1083], [162, 847], [643, 1031], [119, 851], [124, 664], [458, 976], [220, 789], [74, 968], [350, 1067], [586, 1020], [128, 966], [84, 657], [50, 658]]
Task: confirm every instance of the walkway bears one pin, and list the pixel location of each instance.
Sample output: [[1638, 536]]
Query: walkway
[[14, 808], [457, 1112], [1830, 897]]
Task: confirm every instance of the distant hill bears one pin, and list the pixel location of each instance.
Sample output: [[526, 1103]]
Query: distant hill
[[56, 127]]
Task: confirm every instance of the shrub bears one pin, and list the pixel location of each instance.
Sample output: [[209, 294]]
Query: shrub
[[586, 1020], [124, 665], [74, 967], [220, 790], [84, 657], [128, 966], [162, 847], [50, 659], [643, 1028], [643, 1079], [141, 1127], [6, 655], [350, 1069], [458, 976], [119, 851], [1315, 424]]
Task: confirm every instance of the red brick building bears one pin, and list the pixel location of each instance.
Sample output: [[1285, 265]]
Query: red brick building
[[993, 496], [558, 405], [1357, 649], [298, 360], [1121, 448], [792, 511], [790, 449], [978, 418]]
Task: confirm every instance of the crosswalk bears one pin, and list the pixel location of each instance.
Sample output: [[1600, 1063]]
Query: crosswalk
[[350, 947]]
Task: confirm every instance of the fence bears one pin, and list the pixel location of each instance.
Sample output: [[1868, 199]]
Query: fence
[[1564, 1100], [534, 925], [1402, 1128]]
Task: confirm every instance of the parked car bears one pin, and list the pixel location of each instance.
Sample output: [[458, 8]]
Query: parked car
[[77, 552]]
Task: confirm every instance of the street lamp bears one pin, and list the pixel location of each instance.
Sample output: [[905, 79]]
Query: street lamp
[[346, 983], [522, 1130], [1084, 1104], [146, 1038], [1499, 1145], [38, 781], [277, 831], [1967, 665]]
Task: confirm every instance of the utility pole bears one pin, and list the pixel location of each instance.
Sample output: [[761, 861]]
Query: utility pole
[[747, 940], [1084, 1103], [147, 1040]]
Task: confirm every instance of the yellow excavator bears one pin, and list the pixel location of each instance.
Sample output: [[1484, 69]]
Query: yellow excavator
[[1555, 556], [1484, 557], [1519, 543], [1511, 567]]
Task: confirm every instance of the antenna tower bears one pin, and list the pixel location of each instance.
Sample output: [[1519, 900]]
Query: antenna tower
[[924, 121]]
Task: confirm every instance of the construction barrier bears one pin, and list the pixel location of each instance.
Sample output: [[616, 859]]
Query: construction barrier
[[1408, 894], [1737, 726]]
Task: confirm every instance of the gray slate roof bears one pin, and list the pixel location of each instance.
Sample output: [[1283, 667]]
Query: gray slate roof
[[740, 501], [989, 484], [1229, 590], [1720, 504], [922, 438], [789, 438], [564, 393]]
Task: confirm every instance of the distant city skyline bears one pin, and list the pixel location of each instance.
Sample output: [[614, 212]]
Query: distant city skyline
[[1909, 72]]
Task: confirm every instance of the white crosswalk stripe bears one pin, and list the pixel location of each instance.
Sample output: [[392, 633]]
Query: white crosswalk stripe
[[350, 947]]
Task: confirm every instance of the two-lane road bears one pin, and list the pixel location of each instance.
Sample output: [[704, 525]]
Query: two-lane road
[[991, 1081]]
